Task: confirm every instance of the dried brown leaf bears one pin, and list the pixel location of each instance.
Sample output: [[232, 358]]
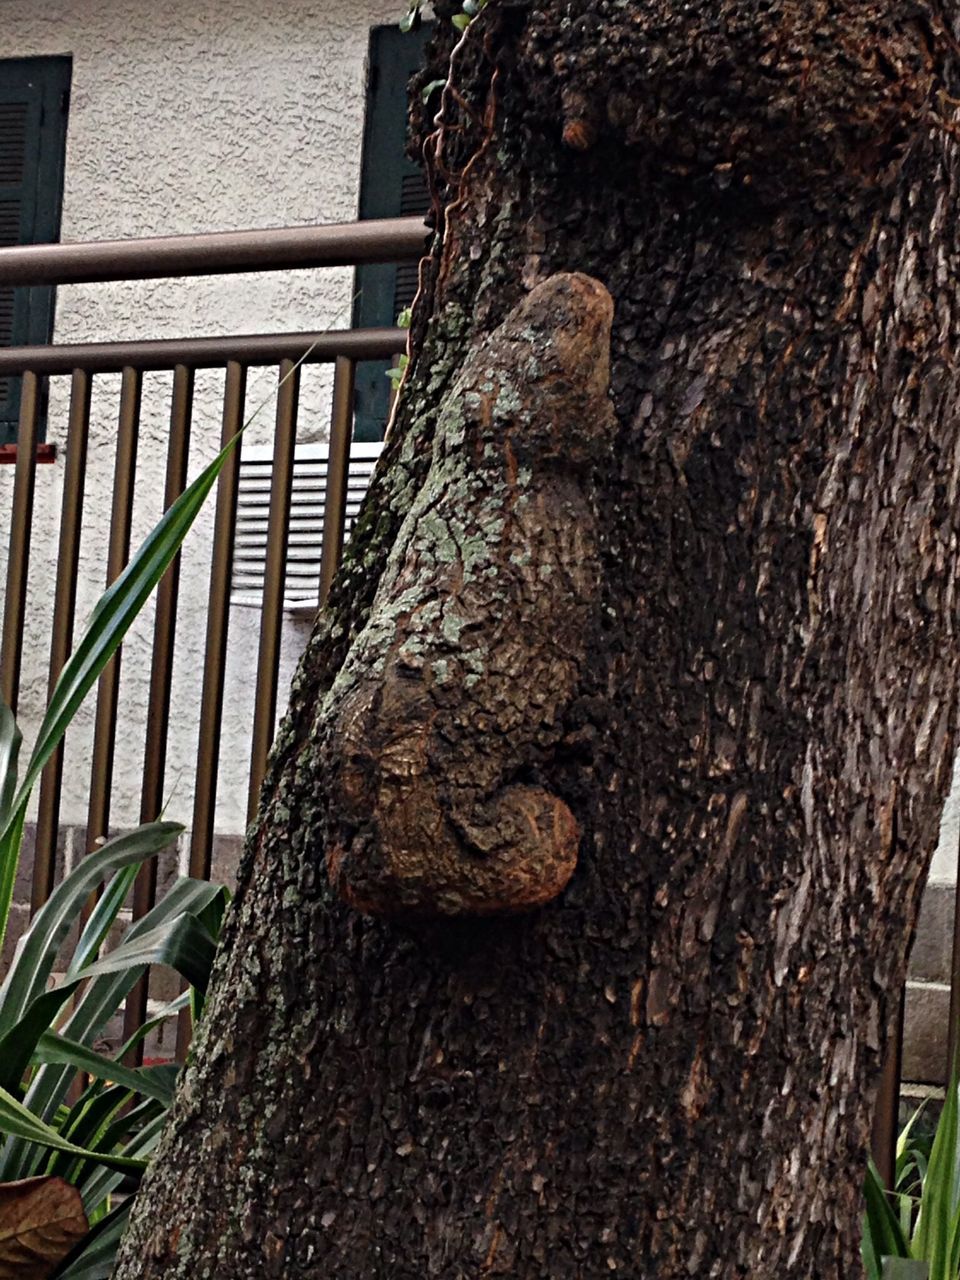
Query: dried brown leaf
[[41, 1219]]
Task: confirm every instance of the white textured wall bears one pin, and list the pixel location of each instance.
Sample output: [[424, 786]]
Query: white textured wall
[[188, 118], [945, 860]]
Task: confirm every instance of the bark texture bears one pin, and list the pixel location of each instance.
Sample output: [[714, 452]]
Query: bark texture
[[452, 699], [668, 1069]]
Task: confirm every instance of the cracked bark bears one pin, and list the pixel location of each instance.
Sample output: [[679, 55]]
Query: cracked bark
[[667, 1070]]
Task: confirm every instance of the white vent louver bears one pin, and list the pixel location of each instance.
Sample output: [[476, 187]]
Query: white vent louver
[[301, 591]]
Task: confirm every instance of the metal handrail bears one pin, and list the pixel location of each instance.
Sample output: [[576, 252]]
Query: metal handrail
[[343, 244], [204, 353]]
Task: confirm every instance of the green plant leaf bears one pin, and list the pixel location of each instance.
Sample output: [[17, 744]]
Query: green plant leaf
[[102, 917], [936, 1230], [37, 950], [11, 841], [103, 1181], [11, 740], [98, 1004], [85, 1125], [142, 1080], [119, 1130], [882, 1236], [428, 91], [16, 1119], [185, 946], [168, 1011], [17, 1046]]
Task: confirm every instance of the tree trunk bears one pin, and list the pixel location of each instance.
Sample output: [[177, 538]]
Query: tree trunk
[[717, 669]]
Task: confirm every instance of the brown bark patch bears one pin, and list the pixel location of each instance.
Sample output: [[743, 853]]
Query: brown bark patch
[[450, 706]]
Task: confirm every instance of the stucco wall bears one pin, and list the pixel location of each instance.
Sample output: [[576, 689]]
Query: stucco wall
[[187, 118], [945, 860]]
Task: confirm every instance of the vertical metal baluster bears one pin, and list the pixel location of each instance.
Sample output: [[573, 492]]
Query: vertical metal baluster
[[21, 517], [218, 621], [104, 739], [161, 675], [886, 1116], [275, 567], [338, 472], [64, 609], [215, 657]]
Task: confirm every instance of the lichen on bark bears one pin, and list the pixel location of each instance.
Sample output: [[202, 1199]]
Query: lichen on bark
[[451, 701]]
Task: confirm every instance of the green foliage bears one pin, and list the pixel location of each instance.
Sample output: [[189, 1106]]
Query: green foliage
[[399, 369], [67, 1110], [414, 16], [70, 1115], [396, 373], [913, 1231], [109, 623]]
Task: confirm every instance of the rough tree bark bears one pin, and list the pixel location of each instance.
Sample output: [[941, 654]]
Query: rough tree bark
[[739, 723]]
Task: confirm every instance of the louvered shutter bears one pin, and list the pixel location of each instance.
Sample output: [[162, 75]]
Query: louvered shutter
[[391, 186], [33, 99], [307, 506]]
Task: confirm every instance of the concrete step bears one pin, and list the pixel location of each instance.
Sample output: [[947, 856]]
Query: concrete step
[[932, 947], [926, 1021]]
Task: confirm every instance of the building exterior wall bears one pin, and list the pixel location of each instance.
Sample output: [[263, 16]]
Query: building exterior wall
[[944, 867], [184, 119]]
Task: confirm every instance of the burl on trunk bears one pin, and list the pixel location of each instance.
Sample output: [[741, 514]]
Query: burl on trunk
[[686, 620]]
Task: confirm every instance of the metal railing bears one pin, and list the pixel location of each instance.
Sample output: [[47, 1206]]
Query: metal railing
[[389, 241]]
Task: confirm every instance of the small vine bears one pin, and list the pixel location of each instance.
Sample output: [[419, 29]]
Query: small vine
[[414, 15]]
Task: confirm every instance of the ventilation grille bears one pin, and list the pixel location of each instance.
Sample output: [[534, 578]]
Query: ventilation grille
[[13, 143], [414, 201], [301, 589]]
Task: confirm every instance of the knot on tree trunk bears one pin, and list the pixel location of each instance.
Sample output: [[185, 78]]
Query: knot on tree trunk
[[443, 722], [776, 96]]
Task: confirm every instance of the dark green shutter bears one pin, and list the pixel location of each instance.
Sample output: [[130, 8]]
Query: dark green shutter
[[33, 104], [391, 186]]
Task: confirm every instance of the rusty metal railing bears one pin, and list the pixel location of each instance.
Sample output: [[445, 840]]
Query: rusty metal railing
[[395, 240]]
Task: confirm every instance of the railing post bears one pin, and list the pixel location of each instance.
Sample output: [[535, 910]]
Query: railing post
[[887, 1112], [21, 517], [105, 732], [161, 675], [218, 622], [338, 472], [61, 637], [274, 578]]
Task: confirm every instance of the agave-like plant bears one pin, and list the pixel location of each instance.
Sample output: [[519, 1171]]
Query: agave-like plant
[[75, 1122], [912, 1232], [88, 1145]]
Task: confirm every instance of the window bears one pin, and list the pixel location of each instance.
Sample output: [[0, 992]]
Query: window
[[391, 186], [33, 113]]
